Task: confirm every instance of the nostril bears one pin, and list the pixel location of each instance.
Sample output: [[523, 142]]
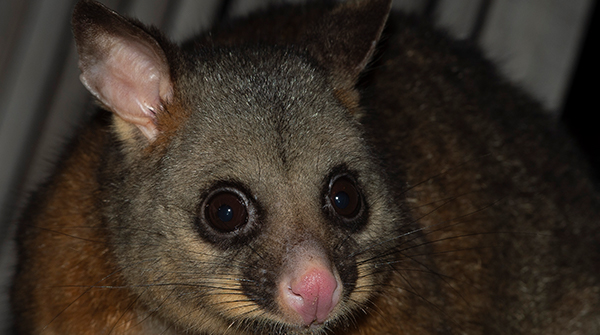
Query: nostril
[[313, 294]]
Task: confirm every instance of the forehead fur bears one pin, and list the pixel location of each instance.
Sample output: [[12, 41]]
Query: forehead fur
[[264, 106]]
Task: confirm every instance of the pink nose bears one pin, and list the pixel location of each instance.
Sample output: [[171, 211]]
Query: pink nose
[[313, 294]]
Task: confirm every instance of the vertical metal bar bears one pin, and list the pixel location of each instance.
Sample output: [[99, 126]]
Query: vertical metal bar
[[223, 11], [430, 9], [482, 15]]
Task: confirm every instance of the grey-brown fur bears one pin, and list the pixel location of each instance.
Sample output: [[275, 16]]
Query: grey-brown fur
[[479, 215]]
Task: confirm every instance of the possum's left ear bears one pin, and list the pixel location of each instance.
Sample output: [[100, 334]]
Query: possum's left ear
[[122, 65], [345, 39]]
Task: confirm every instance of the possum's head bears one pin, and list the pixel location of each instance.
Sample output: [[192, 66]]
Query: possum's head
[[241, 193]]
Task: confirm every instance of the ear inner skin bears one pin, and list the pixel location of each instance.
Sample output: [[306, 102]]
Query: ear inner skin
[[123, 66]]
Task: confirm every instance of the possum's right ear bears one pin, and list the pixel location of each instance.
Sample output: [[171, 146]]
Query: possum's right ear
[[122, 65], [345, 39]]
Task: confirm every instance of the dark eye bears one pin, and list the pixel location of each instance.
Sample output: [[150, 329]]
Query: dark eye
[[345, 198], [225, 211]]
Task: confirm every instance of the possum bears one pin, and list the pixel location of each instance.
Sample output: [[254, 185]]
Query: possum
[[326, 168]]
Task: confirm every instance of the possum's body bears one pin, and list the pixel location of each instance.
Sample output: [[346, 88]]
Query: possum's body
[[244, 185]]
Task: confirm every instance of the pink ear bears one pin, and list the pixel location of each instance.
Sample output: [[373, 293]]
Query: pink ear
[[122, 65]]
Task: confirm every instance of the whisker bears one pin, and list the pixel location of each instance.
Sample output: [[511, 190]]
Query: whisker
[[155, 310], [65, 234], [129, 308], [82, 294]]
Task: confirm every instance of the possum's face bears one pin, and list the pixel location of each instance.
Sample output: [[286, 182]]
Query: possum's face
[[244, 195], [265, 209]]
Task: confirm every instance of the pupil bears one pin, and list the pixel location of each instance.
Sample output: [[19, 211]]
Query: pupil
[[225, 213], [341, 200]]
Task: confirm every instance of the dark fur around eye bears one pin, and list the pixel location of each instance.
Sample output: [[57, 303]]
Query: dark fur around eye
[[344, 200], [227, 215]]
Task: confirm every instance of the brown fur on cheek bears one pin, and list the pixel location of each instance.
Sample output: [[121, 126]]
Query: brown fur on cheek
[[82, 291], [173, 114], [349, 98], [168, 120]]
